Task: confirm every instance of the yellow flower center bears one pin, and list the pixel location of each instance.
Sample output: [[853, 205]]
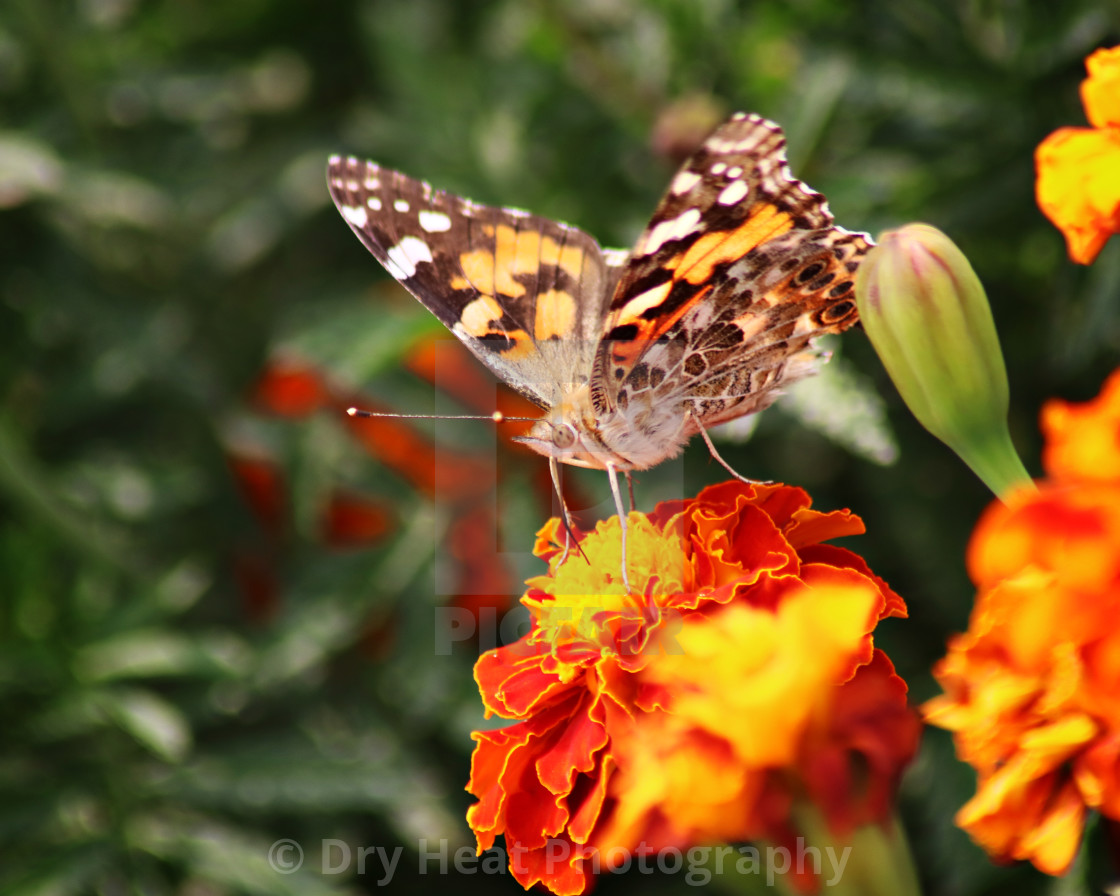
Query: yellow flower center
[[586, 596]]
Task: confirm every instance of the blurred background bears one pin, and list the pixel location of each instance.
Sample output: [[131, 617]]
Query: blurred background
[[228, 614]]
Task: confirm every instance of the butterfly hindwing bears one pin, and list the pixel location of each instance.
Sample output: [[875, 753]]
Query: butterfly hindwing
[[739, 268], [524, 293]]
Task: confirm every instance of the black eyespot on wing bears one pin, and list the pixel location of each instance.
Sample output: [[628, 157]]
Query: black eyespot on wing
[[808, 272], [833, 314]]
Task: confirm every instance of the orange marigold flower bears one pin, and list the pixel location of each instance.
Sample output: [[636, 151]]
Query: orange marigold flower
[[1083, 440], [1078, 182], [737, 678], [1032, 689]]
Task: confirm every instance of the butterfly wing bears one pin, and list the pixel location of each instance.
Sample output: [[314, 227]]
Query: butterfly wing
[[525, 294], [738, 270]]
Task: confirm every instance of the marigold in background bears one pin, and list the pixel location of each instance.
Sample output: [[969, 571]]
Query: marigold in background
[[1078, 183], [1032, 689], [735, 685]]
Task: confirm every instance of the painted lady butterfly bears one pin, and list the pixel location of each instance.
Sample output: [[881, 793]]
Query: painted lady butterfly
[[630, 354]]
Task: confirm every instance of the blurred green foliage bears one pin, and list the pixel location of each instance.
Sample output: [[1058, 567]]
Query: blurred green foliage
[[165, 231]]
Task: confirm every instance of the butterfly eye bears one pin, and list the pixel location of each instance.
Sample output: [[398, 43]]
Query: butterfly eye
[[563, 436]]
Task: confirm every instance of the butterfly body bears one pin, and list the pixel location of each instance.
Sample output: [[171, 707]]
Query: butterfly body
[[642, 436], [629, 354]]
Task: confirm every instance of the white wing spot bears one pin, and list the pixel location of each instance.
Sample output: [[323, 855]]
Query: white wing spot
[[683, 182], [674, 229], [400, 205], [734, 172], [651, 298], [733, 192], [616, 258], [355, 214], [374, 203], [372, 183], [408, 253], [719, 168], [352, 185], [435, 222]]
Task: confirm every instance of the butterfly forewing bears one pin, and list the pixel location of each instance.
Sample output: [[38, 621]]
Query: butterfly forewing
[[524, 293]]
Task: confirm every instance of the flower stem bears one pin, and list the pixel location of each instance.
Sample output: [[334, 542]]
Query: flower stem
[[873, 861], [996, 462]]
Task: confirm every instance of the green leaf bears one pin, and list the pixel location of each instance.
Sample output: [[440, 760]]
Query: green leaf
[[155, 723]]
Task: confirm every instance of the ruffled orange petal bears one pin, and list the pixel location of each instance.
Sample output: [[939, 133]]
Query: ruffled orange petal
[[1100, 92], [1035, 823], [1083, 438], [741, 665], [1078, 187], [1073, 529], [870, 719], [1097, 775]]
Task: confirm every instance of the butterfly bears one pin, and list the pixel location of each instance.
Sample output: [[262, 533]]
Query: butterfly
[[628, 354]]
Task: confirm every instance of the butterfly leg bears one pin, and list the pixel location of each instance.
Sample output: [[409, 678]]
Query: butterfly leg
[[612, 472], [715, 454], [629, 487], [569, 533]]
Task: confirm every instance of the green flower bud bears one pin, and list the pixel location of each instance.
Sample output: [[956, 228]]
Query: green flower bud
[[928, 318]]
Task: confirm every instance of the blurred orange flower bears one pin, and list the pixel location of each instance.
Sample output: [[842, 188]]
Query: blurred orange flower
[[1078, 169], [290, 389], [1083, 440], [737, 679], [1032, 689]]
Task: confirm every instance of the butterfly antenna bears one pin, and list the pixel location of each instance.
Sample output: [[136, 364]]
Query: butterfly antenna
[[496, 417]]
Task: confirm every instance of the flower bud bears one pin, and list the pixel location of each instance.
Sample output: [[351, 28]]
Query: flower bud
[[928, 318]]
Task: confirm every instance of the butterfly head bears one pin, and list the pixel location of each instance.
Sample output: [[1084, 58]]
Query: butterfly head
[[576, 433], [570, 433]]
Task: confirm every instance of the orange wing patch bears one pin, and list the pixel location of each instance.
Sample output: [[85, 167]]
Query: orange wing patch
[[639, 323], [523, 252], [721, 246], [556, 315], [482, 318], [480, 270], [516, 253], [641, 332]]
